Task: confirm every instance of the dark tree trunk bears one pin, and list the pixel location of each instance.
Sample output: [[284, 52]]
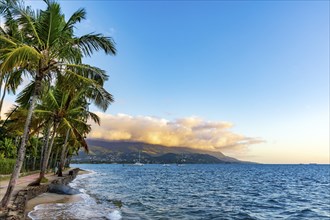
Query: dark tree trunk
[[34, 163], [44, 143], [55, 160], [21, 151], [44, 150], [48, 151], [63, 154], [50, 160], [4, 93]]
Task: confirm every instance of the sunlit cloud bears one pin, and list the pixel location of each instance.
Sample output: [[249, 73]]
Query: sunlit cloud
[[2, 23], [193, 132], [7, 105]]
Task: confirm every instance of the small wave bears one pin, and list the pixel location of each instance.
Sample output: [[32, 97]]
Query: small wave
[[76, 210], [73, 211], [115, 215], [79, 177]]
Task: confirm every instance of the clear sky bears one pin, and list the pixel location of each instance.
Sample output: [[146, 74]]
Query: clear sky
[[260, 67]]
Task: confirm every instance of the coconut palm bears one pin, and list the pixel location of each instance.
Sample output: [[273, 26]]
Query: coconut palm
[[65, 111], [45, 47]]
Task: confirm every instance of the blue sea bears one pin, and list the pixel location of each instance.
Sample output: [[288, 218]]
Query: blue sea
[[188, 192]]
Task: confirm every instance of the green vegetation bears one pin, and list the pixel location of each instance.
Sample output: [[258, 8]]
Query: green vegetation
[[49, 122], [6, 165]]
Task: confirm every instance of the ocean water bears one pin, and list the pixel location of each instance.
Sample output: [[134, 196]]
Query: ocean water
[[197, 192]]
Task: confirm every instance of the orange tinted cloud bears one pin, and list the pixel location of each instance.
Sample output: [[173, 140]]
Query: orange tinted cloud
[[193, 132]]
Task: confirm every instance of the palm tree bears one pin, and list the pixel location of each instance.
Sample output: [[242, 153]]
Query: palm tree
[[65, 111], [46, 46]]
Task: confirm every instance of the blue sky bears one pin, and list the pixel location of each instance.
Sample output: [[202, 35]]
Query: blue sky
[[261, 65]]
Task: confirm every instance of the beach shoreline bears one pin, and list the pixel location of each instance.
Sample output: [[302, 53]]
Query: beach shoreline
[[25, 197], [49, 198]]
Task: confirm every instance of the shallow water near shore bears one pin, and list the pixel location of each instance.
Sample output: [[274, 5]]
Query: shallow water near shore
[[196, 192]]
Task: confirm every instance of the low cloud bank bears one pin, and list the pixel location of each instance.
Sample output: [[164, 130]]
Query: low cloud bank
[[192, 132], [7, 105]]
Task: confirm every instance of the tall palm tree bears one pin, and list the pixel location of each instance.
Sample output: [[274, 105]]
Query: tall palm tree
[[46, 46], [66, 111]]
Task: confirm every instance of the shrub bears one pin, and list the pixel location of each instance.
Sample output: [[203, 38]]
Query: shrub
[[6, 165]]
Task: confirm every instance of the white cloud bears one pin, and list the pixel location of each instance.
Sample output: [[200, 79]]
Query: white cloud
[[191, 132], [7, 105], [2, 22]]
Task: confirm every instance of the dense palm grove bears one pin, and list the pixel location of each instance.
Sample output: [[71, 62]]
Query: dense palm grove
[[51, 117]]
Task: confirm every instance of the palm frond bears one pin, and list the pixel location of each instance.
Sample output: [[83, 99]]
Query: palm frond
[[76, 17], [101, 97], [26, 18], [24, 97], [15, 79], [17, 57], [6, 40], [95, 42], [51, 24], [95, 117], [89, 71]]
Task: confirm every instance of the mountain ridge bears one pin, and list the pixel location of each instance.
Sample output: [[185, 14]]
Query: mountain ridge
[[103, 151]]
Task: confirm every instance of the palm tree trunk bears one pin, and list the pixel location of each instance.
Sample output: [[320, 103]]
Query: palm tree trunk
[[34, 163], [47, 152], [63, 155], [56, 156], [50, 160], [68, 161], [35, 155], [3, 94], [44, 139], [66, 156], [1, 79], [21, 151], [44, 150]]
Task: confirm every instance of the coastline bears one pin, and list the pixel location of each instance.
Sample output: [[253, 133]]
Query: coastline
[[48, 198], [20, 205]]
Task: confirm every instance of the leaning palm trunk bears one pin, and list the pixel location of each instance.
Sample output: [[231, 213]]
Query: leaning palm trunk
[[44, 150], [48, 150], [55, 159], [45, 141], [1, 79], [66, 157], [50, 160], [63, 154], [21, 152], [3, 93], [35, 156]]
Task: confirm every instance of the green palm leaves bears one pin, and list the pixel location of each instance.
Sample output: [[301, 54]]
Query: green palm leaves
[[42, 45]]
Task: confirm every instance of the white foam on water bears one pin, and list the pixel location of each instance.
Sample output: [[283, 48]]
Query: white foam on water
[[78, 178], [115, 215], [77, 210], [58, 210]]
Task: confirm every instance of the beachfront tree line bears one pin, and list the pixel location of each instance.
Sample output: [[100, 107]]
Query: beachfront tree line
[[51, 117]]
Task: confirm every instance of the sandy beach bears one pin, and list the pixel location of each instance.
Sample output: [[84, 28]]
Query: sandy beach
[[47, 198], [44, 198]]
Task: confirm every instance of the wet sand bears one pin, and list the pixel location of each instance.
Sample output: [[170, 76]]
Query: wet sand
[[46, 198]]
